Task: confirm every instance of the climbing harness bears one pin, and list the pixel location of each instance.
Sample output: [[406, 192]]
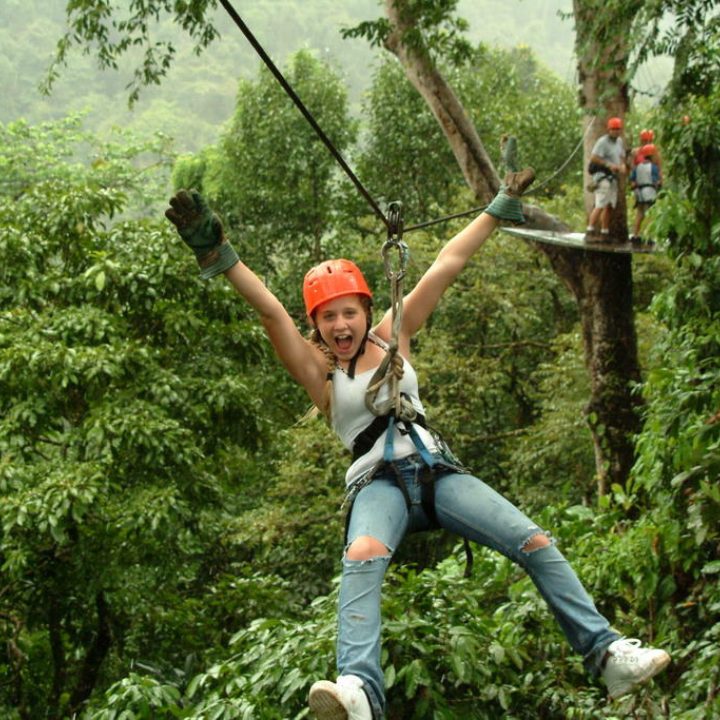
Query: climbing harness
[[598, 169], [434, 464]]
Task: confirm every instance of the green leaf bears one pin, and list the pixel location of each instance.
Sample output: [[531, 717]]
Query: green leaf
[[711, 568], [390, 676], [100, 280]]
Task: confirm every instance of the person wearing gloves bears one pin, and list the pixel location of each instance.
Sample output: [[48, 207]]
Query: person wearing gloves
[[403, 478]]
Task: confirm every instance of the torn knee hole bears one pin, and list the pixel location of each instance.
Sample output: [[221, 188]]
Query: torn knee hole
[[535, 542], [366, 548]]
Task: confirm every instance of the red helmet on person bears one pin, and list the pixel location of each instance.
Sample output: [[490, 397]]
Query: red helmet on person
[[332, 279], [648, 150], [614, 123], [646, 135]]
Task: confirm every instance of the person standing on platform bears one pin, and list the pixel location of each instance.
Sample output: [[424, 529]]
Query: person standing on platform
[[647, 138], [607, 164], [645, 182]]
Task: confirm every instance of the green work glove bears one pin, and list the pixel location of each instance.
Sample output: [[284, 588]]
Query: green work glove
[[506, 205], [202, 231]]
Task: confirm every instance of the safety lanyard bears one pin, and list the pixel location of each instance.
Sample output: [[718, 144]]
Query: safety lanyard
[[425, 454]]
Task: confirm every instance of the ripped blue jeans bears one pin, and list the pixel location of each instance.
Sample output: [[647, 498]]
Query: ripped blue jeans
[[469, 508]]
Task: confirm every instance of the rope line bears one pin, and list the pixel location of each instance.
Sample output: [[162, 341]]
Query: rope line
[[301, 106], [446, 218], [563, 166]]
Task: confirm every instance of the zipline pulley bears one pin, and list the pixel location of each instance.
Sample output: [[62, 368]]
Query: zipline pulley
[[395, 242]]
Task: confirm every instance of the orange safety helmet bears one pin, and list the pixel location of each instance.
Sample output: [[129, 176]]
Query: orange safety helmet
[[614, 123], [332, 279], [647, 136], [648, 150]]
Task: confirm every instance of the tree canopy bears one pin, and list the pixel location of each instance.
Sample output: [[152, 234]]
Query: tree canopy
[[169, 528]]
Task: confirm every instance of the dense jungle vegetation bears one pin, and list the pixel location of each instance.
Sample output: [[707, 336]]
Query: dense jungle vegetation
[[171, 526]]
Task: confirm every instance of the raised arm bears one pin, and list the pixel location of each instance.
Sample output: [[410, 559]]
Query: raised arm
[[202, 231], [305, 363], [450, 261], [454, 256]]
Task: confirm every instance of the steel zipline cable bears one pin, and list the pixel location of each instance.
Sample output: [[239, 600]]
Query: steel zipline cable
[[301, 106]]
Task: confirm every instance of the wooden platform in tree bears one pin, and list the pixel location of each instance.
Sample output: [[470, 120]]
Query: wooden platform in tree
[[577, 240]]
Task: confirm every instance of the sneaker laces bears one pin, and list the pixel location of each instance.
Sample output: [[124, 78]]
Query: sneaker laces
[[626, 651], [628, 644]]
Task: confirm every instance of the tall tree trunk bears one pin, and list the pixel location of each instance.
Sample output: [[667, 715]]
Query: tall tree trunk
[[96, 653], [600, 282], [603, 287], [474, 162]]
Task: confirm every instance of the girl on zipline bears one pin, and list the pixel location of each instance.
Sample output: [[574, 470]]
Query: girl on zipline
[[402, 478]]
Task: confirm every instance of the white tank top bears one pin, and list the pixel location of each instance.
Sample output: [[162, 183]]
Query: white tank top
[[350, 417]]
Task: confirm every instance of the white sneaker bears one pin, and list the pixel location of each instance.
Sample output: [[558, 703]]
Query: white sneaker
[[628, 665], [341, 700]]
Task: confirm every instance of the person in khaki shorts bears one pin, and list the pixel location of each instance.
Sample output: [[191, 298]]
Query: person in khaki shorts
[[607, 163]]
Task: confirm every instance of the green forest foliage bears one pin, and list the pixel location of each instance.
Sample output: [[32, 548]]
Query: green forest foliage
[[170, 530], [132, 429], [198, 94]]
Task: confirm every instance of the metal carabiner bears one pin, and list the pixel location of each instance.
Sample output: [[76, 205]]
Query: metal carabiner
[[395, 242]]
